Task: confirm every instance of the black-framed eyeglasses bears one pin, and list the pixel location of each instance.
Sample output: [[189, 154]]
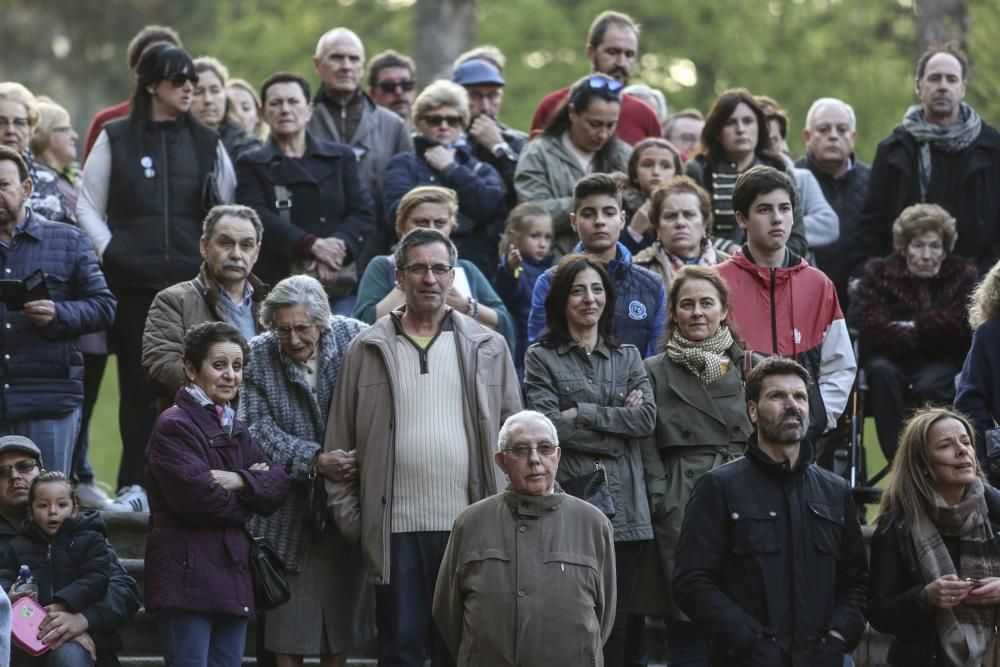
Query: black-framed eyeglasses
[[391, 86], [22, 468], [300, 330], [545, 449], [436, 120], [178, 79], [420, 270]]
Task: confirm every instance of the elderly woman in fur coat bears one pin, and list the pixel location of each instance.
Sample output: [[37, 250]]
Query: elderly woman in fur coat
[[290, 376], [910, 310]]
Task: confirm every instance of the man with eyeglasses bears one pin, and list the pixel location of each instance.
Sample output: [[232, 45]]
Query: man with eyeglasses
[[345, 115], [391, 83], [489, 140], [224, 290], [528, 577], [20, 464], [612, 46], [57, 293], [420, 398]]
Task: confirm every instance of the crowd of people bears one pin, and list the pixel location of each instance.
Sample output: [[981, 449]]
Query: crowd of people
[[492, 397]]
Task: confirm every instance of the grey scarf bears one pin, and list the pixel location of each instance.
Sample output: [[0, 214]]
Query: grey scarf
[[951, 139]]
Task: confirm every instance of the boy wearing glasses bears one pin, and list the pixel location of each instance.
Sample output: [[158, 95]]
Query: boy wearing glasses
[[532, 568], [420, 397]]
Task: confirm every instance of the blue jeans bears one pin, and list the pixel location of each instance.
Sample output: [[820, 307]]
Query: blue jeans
[[55, 437], [406, 630], [344, 305], [198, 639], [687, 645], [70, 654]]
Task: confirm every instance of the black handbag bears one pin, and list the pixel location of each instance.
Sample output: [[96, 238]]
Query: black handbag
[[270, 588], [593, 487], [316, 516]]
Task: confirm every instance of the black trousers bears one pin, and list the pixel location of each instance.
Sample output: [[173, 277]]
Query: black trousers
[[894, 388], [625, 646], [136, 411]]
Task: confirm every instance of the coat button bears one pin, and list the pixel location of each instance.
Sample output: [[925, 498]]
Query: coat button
[[686, 434], [736, 429], [522, 529], [689, 473], [246, 610], [772, 513], [736, 515], [521, 594]]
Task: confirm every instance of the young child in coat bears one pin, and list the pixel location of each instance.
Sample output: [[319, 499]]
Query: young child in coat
[[69, 556], [524, 255]]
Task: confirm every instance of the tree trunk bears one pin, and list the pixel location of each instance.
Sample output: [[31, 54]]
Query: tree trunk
[[442, 30], [941, 21]]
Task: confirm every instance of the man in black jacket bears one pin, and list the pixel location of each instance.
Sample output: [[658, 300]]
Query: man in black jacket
[[20, 464], [770, 561], [943, 153]]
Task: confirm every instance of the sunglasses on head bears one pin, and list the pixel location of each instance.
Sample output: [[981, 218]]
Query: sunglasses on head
[[436, 120], [598, 81], [178, 79], [603, 86], [391, 86]]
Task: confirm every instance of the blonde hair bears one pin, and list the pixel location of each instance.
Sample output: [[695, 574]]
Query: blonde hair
[[12, 91], [911, 486], [426, 194], [984, 303], [442, 93], [517, 220], [213, 65], [50, 115], [920, 218]]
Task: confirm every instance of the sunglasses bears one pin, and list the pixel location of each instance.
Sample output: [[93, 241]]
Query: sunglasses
[[604, 86], [178, 79], [599, 81], [391, 86], [435, 120]]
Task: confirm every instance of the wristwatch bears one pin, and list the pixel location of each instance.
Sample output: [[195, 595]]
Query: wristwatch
[[503, 149]]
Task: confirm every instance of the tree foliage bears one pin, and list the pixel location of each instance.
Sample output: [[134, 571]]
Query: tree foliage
[[793, 50]]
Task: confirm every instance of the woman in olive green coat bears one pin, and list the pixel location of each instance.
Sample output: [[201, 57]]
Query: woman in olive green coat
[[701, 423]]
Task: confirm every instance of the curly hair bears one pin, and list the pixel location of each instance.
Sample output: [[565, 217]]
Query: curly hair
[[984, 303], [920, 218], [681, 185]]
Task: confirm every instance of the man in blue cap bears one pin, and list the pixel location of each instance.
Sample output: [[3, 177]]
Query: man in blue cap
[[489, 140]]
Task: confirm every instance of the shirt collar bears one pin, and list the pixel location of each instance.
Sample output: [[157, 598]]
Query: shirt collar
[[19, 229]]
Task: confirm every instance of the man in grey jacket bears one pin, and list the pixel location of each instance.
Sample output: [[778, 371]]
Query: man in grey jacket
[[420, 398], [344, 114], [530, 571]]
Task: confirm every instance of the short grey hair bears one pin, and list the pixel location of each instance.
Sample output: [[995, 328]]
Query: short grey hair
[[525, 417], [644, 92], [442, 93], [831, 101], [422, 236], [334, 33], [301, 290], [233, 211]]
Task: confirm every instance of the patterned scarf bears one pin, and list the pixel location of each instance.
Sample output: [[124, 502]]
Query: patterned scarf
[[951, 139], [967, 631], [224, 413], [703, 358], [674, 263]]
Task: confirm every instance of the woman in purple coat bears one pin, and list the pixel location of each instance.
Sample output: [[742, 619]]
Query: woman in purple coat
[[206, 477]]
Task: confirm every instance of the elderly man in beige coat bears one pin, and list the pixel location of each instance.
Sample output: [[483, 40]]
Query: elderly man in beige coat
[[528, 577]]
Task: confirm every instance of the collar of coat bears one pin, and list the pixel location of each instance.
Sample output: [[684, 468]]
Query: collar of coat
[[534, 506], [209, 288], [780, 468], [270, 153]]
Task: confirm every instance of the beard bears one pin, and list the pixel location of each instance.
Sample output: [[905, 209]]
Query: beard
[[788, 429]]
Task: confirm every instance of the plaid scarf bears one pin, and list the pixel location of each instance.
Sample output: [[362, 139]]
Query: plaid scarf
[[967, 632], [703, 358], [224, 413], [951, 139]]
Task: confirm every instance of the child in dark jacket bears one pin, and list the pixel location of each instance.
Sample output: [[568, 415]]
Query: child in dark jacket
[[524, 255], [68, 554]]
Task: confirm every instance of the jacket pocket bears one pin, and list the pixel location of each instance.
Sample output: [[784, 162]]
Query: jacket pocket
[[754, 528], [827, 526]]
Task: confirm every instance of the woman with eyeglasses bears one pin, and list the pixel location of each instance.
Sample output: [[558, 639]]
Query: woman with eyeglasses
[[735, 138], [308, 193], [285, 401], [146, 187], [578, 140], [595, 391], [441, 157], [471, 294], [210, 105], [19, 117]]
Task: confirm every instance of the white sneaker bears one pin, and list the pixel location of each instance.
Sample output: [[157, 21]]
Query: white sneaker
[[130, 499], [92, 496]]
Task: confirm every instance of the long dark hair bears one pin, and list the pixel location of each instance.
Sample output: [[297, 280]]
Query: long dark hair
[[557, 331], [158, 62], [637, 150], [579, 98], [718, 116]]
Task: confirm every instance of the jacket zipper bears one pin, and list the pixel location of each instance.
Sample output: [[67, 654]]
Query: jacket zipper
[[774, 317], [166, 197], [52, 586], [389, 471]]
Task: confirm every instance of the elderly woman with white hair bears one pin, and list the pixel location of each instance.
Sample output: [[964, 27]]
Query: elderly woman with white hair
[[290, 376], [440, 157]]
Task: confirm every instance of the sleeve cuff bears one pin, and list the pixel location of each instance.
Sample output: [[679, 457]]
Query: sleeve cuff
[[304, 247]]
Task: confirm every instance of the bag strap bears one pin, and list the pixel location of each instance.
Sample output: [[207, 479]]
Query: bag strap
[[283, 202]]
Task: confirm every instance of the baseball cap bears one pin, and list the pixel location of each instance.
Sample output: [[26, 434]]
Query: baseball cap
[[477, 73], [19, 443]]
